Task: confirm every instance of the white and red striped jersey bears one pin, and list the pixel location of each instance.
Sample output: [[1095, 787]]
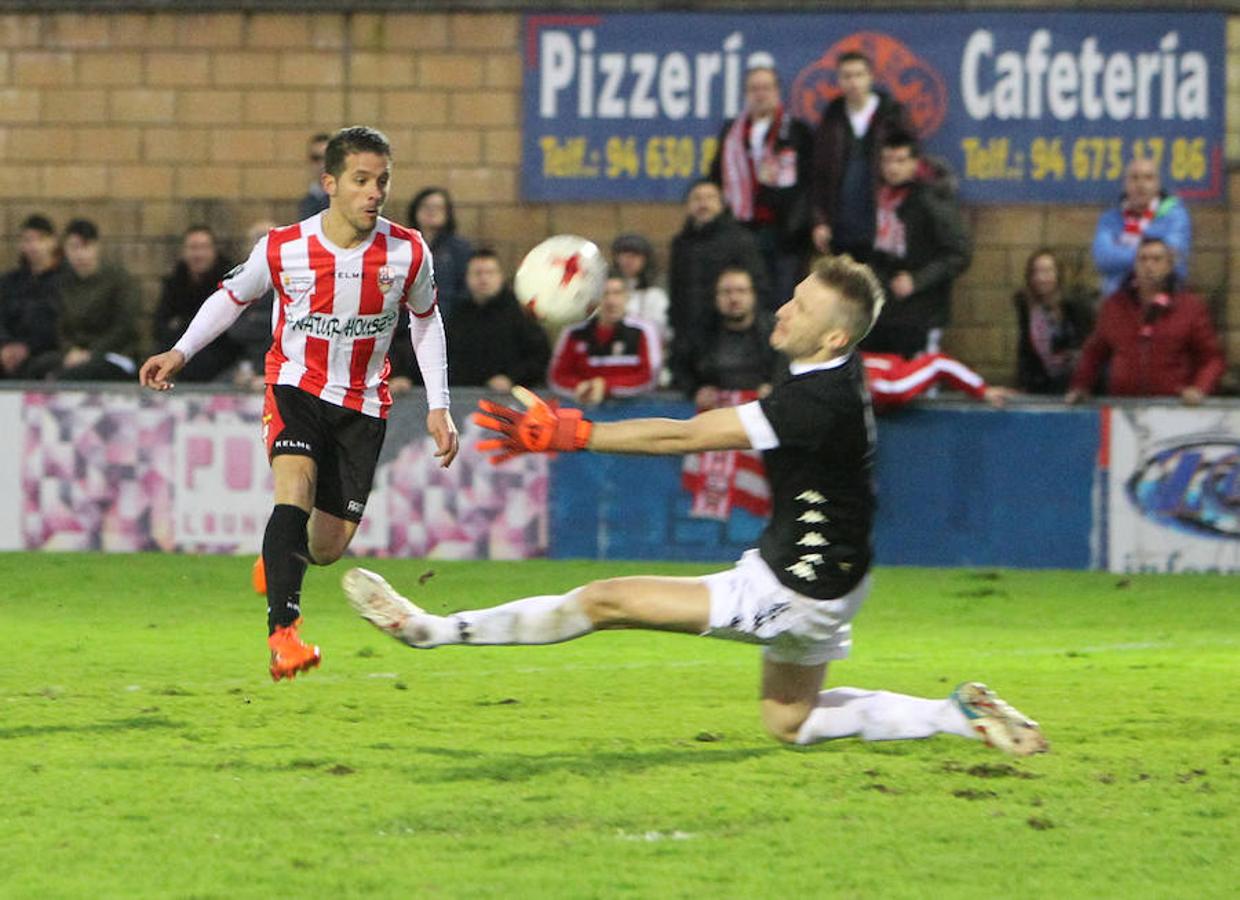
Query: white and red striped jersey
[[336, 309]]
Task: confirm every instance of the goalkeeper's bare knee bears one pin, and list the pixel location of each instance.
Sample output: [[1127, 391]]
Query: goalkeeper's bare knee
[[604, 603]]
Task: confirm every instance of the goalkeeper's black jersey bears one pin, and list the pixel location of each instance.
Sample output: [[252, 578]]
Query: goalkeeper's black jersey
[[818, 539]]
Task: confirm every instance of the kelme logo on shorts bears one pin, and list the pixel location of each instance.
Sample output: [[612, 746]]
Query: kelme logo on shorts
[[1193, 487]]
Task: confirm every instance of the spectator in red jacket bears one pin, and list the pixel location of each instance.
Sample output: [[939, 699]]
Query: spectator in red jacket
[[609, 354], [1157, 338]]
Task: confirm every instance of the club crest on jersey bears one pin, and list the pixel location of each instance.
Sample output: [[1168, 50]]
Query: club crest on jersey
[[296, 285], [387, 278]]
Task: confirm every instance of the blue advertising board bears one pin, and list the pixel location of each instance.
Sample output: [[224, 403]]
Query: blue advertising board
[[1025, 107], [956, 487]]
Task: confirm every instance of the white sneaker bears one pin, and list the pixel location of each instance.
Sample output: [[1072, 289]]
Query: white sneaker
[[998, 723], [378, 603]]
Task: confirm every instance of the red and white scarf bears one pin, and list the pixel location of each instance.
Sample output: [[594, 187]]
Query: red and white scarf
[[719, 480], [739, 169], [889, 236], [1137, 220]]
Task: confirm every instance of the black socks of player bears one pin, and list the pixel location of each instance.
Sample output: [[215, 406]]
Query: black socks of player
[[286, 553]]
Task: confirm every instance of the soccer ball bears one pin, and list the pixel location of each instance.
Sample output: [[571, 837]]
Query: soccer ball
[[561, 279]]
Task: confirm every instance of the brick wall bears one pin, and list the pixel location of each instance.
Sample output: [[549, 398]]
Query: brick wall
[[148, 122]]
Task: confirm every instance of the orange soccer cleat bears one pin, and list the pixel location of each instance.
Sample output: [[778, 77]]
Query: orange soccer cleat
[[290, 654], [258, 577]]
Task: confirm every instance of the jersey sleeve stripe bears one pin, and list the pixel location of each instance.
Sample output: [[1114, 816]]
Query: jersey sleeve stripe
[[758, 428], [423, 315]]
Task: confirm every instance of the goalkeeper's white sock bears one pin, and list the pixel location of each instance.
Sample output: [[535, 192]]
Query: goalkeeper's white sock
[[880, 716], [547, 619]]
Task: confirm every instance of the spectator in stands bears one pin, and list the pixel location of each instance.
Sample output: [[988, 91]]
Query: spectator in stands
[[920, 247], [431, 212], [731, 354], [853, 129], [763, 166], [633, 257], [1144, 209], [316, 199], [1156, 337], [1053, 324], [709, 242], [193, 279], [250, 335], [100, 304], [608, 355], [493, 342], [30, 303]]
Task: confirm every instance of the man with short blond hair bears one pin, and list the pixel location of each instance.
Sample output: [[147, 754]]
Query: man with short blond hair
[[797, 593]]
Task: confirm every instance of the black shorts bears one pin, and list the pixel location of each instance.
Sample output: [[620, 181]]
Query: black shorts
[[343, 443]]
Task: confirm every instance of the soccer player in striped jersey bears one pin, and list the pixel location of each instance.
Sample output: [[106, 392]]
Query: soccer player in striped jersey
[[340, 279], [797, 593]]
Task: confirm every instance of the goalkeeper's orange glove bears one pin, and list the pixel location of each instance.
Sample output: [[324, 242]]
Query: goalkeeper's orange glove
[[541, 428]]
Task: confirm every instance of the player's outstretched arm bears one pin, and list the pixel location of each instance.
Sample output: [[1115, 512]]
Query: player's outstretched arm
[[546, 427], [156, 373]]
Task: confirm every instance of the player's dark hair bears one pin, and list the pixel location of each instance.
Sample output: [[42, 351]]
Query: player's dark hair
[[899, 139], [449, 225], [354, 139], [854, 56], [37, 222], [84, 229], [858, 288]]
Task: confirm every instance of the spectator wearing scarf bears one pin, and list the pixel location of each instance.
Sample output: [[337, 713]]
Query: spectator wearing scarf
[[1145, 210], [763, 168], [1052, 327]]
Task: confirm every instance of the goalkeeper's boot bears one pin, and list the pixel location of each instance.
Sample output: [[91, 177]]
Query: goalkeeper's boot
[[258, 577], [290, 654], [378, 603], [998, 723]]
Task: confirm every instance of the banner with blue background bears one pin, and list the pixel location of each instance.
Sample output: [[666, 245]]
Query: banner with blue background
[[1025, 107]]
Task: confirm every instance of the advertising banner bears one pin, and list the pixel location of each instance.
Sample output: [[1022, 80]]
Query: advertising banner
[[125, 472], [1173, 490], [1024, 107]]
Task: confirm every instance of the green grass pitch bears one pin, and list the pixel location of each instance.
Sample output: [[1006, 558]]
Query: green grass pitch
[[144, 752]]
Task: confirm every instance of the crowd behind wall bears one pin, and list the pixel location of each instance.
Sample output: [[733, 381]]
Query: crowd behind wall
[[149, 122]]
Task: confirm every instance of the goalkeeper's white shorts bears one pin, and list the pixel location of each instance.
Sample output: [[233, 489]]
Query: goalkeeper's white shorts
[[748, 603]]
